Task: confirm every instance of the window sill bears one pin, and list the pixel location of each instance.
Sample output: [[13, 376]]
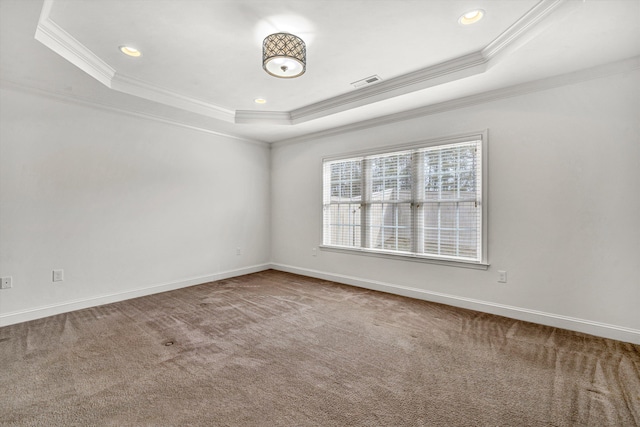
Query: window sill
[[406, 257]]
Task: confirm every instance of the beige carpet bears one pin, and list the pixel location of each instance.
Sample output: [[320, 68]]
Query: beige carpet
[[276, 349]]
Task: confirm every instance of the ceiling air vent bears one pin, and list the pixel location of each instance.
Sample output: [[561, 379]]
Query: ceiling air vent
[[367, 81]]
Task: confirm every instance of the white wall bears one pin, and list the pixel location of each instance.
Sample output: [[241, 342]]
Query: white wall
[[564, 209], [126, 206]]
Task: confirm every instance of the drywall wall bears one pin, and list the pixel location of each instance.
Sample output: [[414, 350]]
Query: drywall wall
[[564, 203], [126, 206]]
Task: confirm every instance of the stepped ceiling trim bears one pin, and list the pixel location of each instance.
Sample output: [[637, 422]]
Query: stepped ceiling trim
[[58, 40], [602, 71], [75, 99], [624, 66]]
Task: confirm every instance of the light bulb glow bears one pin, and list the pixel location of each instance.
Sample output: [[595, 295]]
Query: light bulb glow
[[471, 17], [130, 51]]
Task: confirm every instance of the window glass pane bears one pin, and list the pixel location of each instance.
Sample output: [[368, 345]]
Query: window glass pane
[[391, 177], [346, 181], [432, 186], [450, 173], [390, 226], [447, 242], [345, 236], [447, 215], [451, 229], [342, 221]]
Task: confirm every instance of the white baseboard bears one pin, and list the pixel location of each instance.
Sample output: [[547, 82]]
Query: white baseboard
[[604, 330], [559, 321], [65, 307]]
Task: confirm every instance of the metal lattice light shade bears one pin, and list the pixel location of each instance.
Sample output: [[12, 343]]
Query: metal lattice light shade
[[284, 55]]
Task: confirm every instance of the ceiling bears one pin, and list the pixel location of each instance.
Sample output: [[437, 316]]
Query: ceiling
[[201, 59]]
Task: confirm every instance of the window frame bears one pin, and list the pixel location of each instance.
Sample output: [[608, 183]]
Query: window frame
[[483, 264]]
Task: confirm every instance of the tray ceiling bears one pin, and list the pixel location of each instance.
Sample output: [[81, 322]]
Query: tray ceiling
[[204, 57]]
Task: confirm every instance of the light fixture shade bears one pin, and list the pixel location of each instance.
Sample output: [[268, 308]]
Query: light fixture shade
[[284, 55]]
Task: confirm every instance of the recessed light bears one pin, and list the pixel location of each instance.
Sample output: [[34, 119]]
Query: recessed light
[[130, 51], [260, 101], [471, 17]]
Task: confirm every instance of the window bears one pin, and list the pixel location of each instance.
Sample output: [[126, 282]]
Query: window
[[423, 202]]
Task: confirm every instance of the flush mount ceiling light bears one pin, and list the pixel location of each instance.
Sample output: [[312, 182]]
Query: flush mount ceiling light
[[471, 17], [284, 55], [130, 51], [260, 101]]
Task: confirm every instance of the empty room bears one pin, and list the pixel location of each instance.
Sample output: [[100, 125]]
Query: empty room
[[320, 213]]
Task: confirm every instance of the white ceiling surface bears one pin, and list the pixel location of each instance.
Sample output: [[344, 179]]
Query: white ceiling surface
[[208, 53]]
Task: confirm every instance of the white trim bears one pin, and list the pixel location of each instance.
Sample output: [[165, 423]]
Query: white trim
[[164, 96], [588, 74], [263, 117], [593, 73], [605, 330], [555, 320], [412, 145], [405, 257], [527, 27], [64, 44], [58, 40], [521, 27], [73, 99], [484, 175], [445, 72], [79, 304]]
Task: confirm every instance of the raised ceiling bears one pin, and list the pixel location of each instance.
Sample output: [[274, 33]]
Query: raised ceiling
[[201, 59]]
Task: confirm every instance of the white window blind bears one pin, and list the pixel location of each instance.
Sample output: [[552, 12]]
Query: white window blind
[[425, 201]]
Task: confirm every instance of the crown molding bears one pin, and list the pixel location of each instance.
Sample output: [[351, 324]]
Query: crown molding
[[151, 92], [522, 27], [263, 117], [445, 72], [74, 99], [601, 71], [58, 40], [593, 73], [54, 37]]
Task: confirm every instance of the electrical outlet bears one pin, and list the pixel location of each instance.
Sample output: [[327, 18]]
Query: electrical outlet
[[238, 251], [6, 282], [58, 275], [502, 276], [314, 251]]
